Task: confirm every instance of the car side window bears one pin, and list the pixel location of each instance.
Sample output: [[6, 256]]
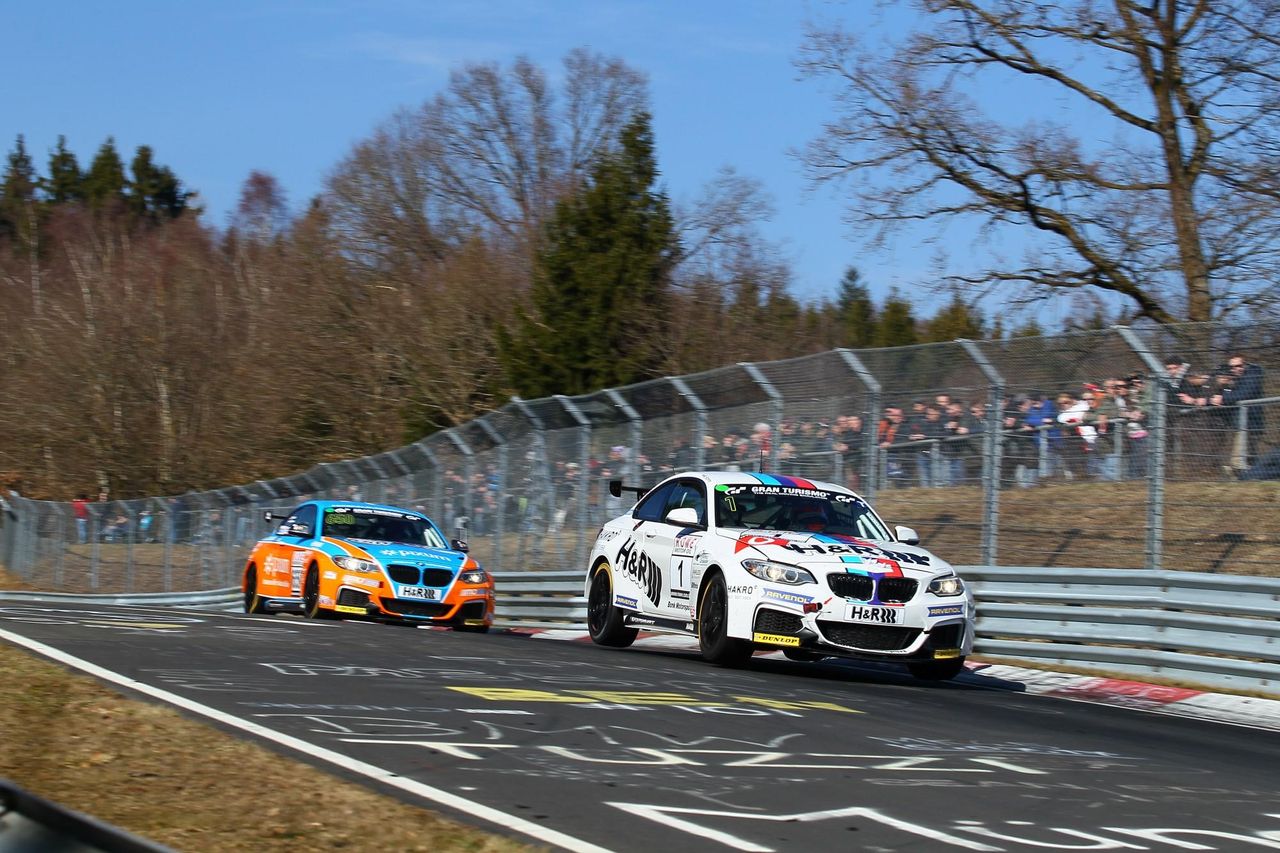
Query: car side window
[[688, 493], [654, 505], [302, 522]]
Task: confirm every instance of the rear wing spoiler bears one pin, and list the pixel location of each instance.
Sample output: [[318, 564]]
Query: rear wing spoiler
[[616, 489]]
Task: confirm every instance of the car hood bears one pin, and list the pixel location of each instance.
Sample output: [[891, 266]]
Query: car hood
[[848, 552], [398, 552]]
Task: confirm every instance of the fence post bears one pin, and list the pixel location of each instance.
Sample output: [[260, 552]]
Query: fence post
[[435, 501], [699, 420], [584, 466], [542, 489], [468, 473], [500, 523], [776, 403], [870, 424], [1156, 456], [636, 427], [993, 441]]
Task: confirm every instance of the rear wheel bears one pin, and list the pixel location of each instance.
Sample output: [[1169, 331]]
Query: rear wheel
[[253, 603], [604, 620], [713, 627], [937, 670], [311, 596]]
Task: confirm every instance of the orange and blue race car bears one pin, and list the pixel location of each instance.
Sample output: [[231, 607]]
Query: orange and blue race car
[[332, 559]]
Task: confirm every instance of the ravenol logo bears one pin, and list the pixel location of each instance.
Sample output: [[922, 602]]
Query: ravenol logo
[[624, 601], [947, 610], [787, 597]]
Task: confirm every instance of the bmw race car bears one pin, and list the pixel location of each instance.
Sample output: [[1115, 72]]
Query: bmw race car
[[340, 558], [754, 561]]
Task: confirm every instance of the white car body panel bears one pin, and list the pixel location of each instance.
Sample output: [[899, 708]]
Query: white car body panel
[[659, 570]]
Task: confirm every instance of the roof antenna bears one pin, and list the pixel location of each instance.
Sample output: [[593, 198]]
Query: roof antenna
[[761, 469]]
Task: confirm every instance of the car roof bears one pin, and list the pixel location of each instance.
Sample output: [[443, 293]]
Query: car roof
[[326, 504], [717, 478]]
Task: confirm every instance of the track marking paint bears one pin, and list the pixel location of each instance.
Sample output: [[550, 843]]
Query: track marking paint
[[386, 777]]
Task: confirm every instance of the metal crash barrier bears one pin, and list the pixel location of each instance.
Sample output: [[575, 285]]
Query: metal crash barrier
[[31, 823], [1204, 629]]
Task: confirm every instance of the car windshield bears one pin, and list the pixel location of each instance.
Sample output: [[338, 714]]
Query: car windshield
[[748, 506], [380, 525]]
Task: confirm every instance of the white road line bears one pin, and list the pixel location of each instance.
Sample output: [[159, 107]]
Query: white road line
[[386, 777]]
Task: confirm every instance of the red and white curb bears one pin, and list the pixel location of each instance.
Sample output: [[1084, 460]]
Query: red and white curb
[[1137, 695]]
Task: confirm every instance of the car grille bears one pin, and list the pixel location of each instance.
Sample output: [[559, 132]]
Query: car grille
[[861, 587], [405, 574], [898, 590], [352, 598], [437, 577], [415, 576], [776, 622], [947, 637], [424, 609], [881, 638], [472, 610], [851, 586]]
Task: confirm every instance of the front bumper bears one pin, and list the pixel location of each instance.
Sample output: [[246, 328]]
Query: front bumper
[[824, 633]]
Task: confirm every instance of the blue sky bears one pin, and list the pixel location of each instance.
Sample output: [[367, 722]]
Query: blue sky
[[287, 86]]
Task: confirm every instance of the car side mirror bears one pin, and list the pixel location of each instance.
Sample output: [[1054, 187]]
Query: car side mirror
[[684, 516], [459, 545], [906, 535]]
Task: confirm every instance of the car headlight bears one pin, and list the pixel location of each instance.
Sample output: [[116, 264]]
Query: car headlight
[[355, 564], [777, 572], [946, 586], [474, 576]]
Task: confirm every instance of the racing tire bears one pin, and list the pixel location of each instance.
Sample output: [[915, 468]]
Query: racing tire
[[604, 621], [253, 603], [713, 627], [802, 655], [311, 596], [937, 670]]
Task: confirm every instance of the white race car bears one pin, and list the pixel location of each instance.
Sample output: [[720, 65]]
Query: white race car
[[758, 561]]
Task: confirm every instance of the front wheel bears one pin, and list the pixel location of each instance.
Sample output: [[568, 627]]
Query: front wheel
[[937, 670], [311, 596], [604, 620], [713, 627], [253, 603]]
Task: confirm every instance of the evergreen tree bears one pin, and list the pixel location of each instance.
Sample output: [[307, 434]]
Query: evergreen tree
[[957, 319], [65, 183], [601, 281], [17, 194], [105, 183], [155, 191], [855, 312], [897, 326]]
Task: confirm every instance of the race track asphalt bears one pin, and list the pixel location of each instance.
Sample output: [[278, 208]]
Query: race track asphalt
[[586, 748]]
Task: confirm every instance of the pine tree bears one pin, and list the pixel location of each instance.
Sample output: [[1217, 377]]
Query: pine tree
[[65, 183], [855, 312], [105, 183], [155, 191], [601, 281], [17, 194], [897, 326], [957, 319]]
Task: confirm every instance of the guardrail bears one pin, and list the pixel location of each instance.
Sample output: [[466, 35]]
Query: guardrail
[[1205, 629]]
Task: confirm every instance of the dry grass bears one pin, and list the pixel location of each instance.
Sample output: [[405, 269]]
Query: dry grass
[[181, 783]]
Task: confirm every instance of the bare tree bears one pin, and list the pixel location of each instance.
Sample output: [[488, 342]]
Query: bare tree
[[488, 157], [1135, 146]]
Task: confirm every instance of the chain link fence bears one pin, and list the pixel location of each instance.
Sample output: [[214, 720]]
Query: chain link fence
[[1123, 448]]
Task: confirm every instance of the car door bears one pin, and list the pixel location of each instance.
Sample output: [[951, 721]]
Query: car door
[[292, 550], [672, 547], [634, 559]]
